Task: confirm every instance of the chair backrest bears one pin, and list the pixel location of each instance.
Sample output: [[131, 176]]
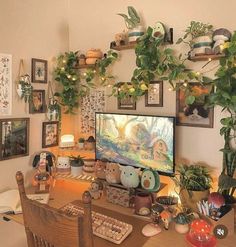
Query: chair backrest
[[48, 227]]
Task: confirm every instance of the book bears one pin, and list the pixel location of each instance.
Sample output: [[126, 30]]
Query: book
[[10, 201]]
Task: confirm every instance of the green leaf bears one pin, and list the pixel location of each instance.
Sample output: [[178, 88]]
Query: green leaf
[[190, 99]]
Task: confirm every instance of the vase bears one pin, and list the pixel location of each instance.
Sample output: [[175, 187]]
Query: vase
[[135, 33], [201, 45], [76, 170], [181, 228], [189, 199]]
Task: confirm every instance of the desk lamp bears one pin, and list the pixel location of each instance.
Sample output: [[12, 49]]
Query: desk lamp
[[67, 141]]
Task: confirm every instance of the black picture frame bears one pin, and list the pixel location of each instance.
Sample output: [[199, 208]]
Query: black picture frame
[[14, 134], [38, 103], [154, 94], [50, 134], [39, 70], [195, 115]]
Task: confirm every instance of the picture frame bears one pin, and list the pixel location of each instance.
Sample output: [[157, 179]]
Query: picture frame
[[38, 103], [154, 94], [14, 134], [50, 134], [39, 70], [127, 103], [195, 115]]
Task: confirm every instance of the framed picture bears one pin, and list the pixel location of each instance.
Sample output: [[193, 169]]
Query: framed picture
[[127, 103], [38, 104], [50, 134], [154, 94], [39, 70], [195, 115], [14, 134]]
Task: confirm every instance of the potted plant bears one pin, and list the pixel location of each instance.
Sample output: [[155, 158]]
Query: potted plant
[[133, 23], [199, 36], [194, 182], [81, 142], [182, 221], [54, 110], [24, 88], [76, 163]]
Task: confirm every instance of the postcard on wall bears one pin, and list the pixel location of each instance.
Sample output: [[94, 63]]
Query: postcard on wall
[[5, 84]]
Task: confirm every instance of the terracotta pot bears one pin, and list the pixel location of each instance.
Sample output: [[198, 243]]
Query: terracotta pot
[[180, 228], [190, 199]]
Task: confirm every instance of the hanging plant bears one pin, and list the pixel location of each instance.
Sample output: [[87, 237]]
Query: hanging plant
[[24, 88]]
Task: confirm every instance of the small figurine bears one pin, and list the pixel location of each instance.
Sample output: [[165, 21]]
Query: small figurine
[[220, 36], [120, 38], [159, 30], [166, 218], [150, 180], [129, 176], [96, 190], [100, 169]]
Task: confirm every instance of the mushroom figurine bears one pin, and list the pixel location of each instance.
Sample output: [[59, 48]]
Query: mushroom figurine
[[220, 36]]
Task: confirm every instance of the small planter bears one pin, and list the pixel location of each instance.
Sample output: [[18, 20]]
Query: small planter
[[76, 170], [201, 45], [181, 228], [190, 199], [135, 33]]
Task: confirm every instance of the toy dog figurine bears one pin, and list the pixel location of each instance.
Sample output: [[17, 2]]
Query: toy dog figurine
[[166, 218]]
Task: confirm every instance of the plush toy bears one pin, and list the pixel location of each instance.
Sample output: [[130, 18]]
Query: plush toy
[[129, 176], [100, 169], [220, 36], [159, 30], [95, 190], [150, 180], [113, 173]]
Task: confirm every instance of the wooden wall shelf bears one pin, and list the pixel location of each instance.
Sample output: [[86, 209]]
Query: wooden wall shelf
[[130, 45], [206, 57], [85, 66]]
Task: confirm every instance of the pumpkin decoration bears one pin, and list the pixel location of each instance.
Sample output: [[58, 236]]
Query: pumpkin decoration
[[129, 176], [150, 180]]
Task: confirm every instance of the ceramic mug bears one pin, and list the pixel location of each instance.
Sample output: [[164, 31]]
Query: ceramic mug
[[143, 203]]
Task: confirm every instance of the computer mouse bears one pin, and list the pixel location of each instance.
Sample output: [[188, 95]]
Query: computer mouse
[[150, 230]]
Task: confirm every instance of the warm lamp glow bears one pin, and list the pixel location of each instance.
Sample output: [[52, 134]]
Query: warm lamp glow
[[67, 141]]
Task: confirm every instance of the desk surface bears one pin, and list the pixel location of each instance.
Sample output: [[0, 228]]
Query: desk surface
[[66, 191]]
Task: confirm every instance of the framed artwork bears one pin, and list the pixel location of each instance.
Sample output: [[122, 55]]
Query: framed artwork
[[14, 134], [126, 103], [50, 134], [195, 115], [5, 84], [39, 70], [38, 104], [154, 94]]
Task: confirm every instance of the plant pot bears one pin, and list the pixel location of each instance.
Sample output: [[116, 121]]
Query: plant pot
[[201, 45], [190, 199], [135, 33], [81, 145], [19, 90], [76, 170], [181, 228]]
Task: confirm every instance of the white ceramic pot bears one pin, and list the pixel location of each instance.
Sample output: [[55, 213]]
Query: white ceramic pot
[[19, 90], [52, 115], [135, 33], [76, 170], [180, 228], [201, 44]]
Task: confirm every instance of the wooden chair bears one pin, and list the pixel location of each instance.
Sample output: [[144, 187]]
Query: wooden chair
[[48, 227]]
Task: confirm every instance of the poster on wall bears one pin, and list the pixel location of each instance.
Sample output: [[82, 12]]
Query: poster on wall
[[94, 102], [5, 84]]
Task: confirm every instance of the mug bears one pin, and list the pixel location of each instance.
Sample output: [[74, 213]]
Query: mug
[[143, 203]]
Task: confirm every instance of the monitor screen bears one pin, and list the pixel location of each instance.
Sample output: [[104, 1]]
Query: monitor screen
[[136, 140]]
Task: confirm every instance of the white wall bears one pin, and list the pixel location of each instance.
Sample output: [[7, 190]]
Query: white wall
[[30, 29], [92, 24]]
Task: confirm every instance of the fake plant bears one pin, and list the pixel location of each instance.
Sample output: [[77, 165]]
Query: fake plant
[[132, 19], [25, 89]]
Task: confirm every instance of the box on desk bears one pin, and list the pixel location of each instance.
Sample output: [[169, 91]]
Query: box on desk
[[120, 195], [227, 220]]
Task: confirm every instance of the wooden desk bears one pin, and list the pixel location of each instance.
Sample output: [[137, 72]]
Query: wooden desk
[[66, 191]]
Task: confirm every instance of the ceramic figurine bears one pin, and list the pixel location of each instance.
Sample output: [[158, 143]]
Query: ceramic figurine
[[120, 38], [100, 169], [129, 176], [159, 30], [150, 180], [220, 36], [166, 218], [96, 190], [113, 173]]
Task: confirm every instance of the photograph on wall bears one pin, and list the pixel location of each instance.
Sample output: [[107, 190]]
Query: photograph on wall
[[14, 137], [154, 94], [50, 134], [91, 103], [38, 104], [5, 84], [39, 70], [196, 114]]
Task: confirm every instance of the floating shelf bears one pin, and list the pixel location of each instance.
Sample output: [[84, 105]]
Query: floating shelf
[[130, 45], [85, 66], [206, 57]]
